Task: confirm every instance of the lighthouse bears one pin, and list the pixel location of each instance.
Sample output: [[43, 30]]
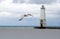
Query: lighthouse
[[42, 17]]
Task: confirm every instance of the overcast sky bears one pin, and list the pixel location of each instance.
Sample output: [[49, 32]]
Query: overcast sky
[[11, 11]]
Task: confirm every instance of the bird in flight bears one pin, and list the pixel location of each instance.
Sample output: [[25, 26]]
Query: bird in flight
[[25, 15]]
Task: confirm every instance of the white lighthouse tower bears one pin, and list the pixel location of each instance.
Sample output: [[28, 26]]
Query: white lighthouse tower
[[42, 17]]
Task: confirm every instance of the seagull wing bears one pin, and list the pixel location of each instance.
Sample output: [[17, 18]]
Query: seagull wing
[[20, 19], [30, 14], [24, 16]]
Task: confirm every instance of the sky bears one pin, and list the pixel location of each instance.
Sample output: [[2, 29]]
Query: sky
[[12, 10]]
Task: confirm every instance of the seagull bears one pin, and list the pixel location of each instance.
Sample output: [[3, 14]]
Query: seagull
[[25, 15]]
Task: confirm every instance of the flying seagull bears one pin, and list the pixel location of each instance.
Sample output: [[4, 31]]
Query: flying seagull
[[25, 15]]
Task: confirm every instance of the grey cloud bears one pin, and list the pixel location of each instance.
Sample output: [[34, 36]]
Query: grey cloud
[[58, 1], [42, 1], [35, 1], [21, 1], [1, 1], [18, 1], [15, 1]]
